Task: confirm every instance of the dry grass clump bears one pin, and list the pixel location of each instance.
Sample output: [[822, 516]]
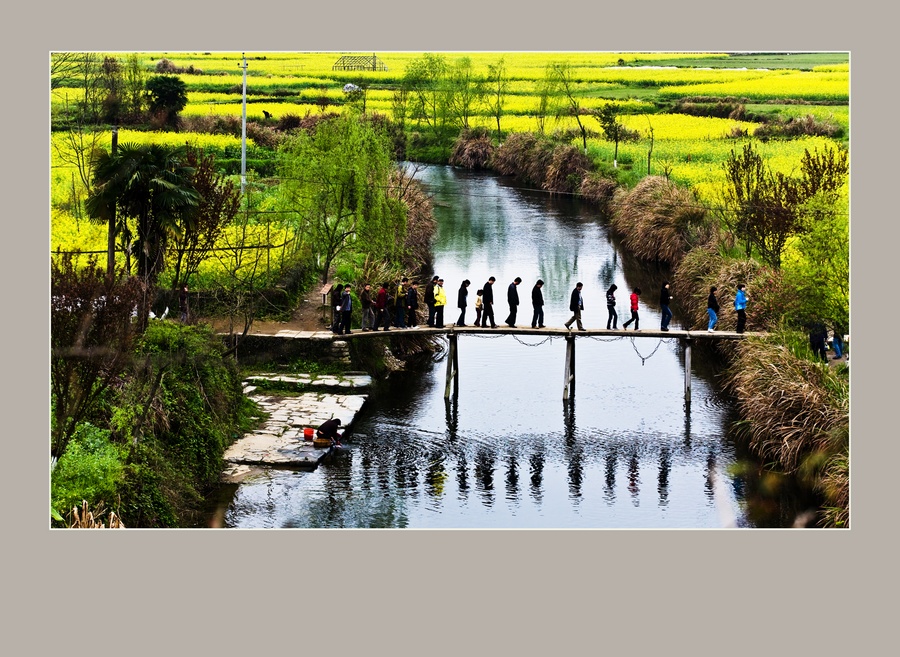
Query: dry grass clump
[[771, 301], [473, 150], [216, 124], [263, 135], [598, 190], [659, 220], [796, 413], [566, 170], [525, 156], [798, 127], [85, 519]]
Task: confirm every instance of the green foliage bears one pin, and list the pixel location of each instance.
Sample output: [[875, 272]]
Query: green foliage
[[336, 186], [167, 96], [91, 468]]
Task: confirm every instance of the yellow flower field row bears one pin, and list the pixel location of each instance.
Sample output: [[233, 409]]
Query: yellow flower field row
[[795, 84]]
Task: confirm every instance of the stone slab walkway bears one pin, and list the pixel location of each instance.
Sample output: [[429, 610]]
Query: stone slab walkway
[[279, 442]]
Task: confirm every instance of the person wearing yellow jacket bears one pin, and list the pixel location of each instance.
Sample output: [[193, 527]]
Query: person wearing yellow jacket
[[440, 301]]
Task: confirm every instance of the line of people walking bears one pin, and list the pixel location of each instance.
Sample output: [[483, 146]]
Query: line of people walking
[[400, 310]]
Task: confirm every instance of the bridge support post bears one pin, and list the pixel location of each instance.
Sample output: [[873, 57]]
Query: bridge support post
[[687, 371], [569, 378], [452, 367]]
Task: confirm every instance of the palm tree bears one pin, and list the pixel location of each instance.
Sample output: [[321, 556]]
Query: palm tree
[[151, 184]]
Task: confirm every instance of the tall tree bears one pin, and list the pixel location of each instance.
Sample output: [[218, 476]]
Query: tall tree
[[614, 131], [563, 78], [150, 184], [425, 79], [465, 91], [218, 204], [336, 180], [167, 96], [497, 85]]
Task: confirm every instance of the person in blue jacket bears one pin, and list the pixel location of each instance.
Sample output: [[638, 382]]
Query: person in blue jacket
[[740, 306]]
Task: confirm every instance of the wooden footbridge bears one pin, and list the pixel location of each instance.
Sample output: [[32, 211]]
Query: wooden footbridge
[[454, 332]]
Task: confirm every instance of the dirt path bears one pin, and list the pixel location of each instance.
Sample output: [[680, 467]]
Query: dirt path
[[310, 315]]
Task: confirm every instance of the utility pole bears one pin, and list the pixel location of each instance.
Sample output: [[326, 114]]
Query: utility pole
[[244, 127]]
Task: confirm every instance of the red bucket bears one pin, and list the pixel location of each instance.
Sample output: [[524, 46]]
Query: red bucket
[[308, 433]]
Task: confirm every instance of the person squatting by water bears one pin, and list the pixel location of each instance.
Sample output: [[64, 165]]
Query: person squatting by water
[[478, 306], [512, 298], [712, 308], [634, 310], [461, 301], [487, 301], [440, 302], [664, 298], [576, 305], [611, 307], [329, 430], [537, 302], [740, 306]]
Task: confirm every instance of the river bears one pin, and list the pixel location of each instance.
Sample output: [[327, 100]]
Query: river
[[508, 452]]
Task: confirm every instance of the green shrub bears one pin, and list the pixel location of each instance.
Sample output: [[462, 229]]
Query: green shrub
[[91, 469]]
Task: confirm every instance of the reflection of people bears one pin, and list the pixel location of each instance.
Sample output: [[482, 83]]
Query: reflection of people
[[712, 308], [576, 305], [329, 431], [664, 298], [183, 303], [634, 310], [740, 306], [537, 301]]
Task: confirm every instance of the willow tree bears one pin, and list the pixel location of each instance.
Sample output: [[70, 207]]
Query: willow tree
[[335, 183]]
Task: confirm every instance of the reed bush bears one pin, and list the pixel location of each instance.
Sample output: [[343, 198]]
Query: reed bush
[[473, 149], [659, 220], [795, 412], [771, 302], [566, 170], [598, 189]]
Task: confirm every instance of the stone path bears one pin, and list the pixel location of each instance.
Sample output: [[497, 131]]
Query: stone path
[[280, 442]]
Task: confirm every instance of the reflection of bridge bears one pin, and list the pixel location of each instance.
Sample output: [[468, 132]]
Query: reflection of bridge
[[453, 332]]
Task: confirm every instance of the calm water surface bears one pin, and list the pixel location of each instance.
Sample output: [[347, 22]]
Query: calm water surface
[[508, 452]]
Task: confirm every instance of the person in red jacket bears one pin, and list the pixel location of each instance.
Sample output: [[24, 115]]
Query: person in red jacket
[[382, 312], [634, 309]]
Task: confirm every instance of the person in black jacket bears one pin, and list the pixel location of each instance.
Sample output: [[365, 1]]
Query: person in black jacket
[[512, 296], [429, 299], [461, 301], [576, 305], [344, 328], [487, 302], [537, 301], [664, 298], [329, 430], [611, 307], [412, 304], [712, 308]]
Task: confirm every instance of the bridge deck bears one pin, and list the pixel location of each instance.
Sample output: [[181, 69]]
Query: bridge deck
[[557, 332]]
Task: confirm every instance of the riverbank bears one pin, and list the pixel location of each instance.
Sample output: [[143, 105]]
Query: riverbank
[[280, 441]]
